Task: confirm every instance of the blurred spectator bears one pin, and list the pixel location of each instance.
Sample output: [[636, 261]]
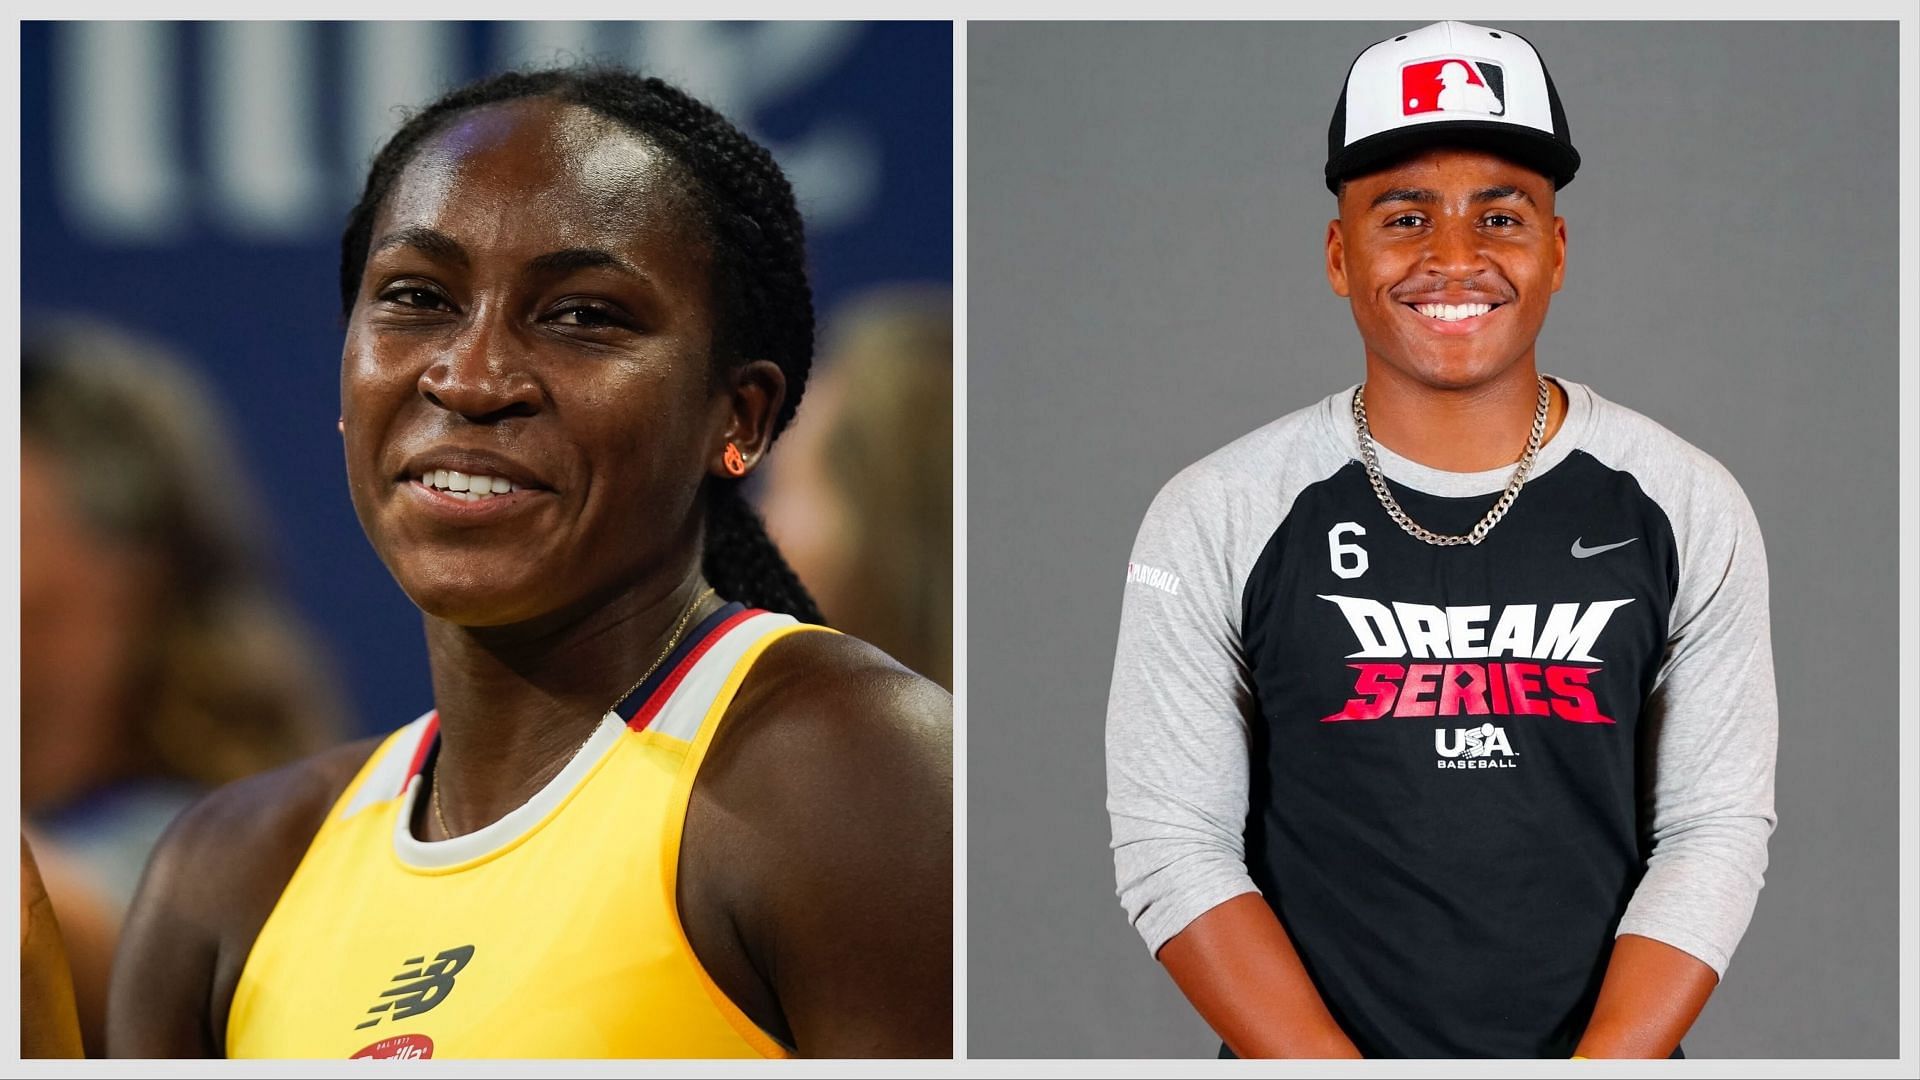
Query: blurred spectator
[[860, 497], [157, 661]]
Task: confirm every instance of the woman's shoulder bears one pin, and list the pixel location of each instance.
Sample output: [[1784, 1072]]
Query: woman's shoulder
[[821, 710], [819, 684], [824, 723], [819, 845], [831, 742], [268, 815]]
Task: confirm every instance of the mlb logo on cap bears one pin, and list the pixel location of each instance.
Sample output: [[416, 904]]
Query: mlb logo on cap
[[1449, 84], [1455, 84]]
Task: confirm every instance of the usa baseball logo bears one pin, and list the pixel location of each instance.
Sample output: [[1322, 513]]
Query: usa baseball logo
[[1452, 84]]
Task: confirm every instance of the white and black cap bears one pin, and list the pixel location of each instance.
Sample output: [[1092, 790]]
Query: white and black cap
[[1449, 84]]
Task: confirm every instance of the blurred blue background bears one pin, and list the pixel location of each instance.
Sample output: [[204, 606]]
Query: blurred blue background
[[188, 182]]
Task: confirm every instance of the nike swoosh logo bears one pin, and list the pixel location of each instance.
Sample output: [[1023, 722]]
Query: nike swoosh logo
[[1580, 552]]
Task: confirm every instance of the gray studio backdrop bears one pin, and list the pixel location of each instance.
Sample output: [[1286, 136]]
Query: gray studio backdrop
[[1146, 214]]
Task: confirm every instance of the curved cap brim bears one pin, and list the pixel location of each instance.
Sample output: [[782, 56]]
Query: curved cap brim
[[1535, 150]]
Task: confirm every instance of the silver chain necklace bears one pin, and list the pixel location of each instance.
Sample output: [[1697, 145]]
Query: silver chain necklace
[[1494, 515]]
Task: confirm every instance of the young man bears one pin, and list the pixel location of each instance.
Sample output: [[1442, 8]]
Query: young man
[[1442, 720]]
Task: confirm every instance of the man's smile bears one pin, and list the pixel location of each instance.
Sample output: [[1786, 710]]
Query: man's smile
[[1453, 318], [1452, 312]]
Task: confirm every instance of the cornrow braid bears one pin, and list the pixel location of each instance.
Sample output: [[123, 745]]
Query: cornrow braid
[[763, 303], [740, 558]]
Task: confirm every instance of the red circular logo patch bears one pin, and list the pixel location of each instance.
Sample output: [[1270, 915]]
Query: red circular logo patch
[[404, 1047]]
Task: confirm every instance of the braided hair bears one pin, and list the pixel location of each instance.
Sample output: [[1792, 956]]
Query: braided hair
[[762, 301]]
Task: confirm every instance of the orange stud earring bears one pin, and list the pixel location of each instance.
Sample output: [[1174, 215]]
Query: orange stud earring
[[736, 464]]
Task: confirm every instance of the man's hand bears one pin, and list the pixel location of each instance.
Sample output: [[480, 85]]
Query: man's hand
[[49, 1023], [1652, 994]]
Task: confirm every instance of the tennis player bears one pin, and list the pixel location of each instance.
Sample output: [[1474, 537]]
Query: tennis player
[[655, 810]]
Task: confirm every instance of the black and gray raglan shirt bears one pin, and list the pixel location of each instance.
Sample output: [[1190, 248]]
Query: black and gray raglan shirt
[[1454, 773]]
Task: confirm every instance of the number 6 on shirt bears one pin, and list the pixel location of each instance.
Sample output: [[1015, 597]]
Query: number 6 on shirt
[[1336, 551]]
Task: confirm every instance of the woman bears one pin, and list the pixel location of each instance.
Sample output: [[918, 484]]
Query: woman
[[158, 658], [645, 818]]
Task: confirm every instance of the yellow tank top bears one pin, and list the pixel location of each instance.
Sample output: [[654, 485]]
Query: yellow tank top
[[553, 932]]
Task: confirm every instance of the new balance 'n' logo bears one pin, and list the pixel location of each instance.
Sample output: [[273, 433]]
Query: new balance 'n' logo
[[422, 985]]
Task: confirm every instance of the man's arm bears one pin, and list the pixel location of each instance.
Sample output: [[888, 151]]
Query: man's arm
[[1178, 719], [1712, 721], [1652, 994], [1238, 967]]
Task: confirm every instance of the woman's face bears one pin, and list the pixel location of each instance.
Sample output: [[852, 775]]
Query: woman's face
[[534, 310], [88, 606]]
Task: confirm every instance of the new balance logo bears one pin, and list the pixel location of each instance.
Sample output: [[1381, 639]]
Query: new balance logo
[[422, 985]]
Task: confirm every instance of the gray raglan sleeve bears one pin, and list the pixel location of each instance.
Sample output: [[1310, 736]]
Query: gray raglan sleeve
[[1715, 722], [1177, 716]]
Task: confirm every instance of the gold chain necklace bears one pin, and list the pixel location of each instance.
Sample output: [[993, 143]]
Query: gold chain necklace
[[433, 798]]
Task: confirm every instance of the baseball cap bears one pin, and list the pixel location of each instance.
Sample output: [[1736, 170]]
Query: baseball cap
[[1449, 84]]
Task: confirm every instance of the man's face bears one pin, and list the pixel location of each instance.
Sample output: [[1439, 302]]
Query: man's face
[[1450, 259]]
